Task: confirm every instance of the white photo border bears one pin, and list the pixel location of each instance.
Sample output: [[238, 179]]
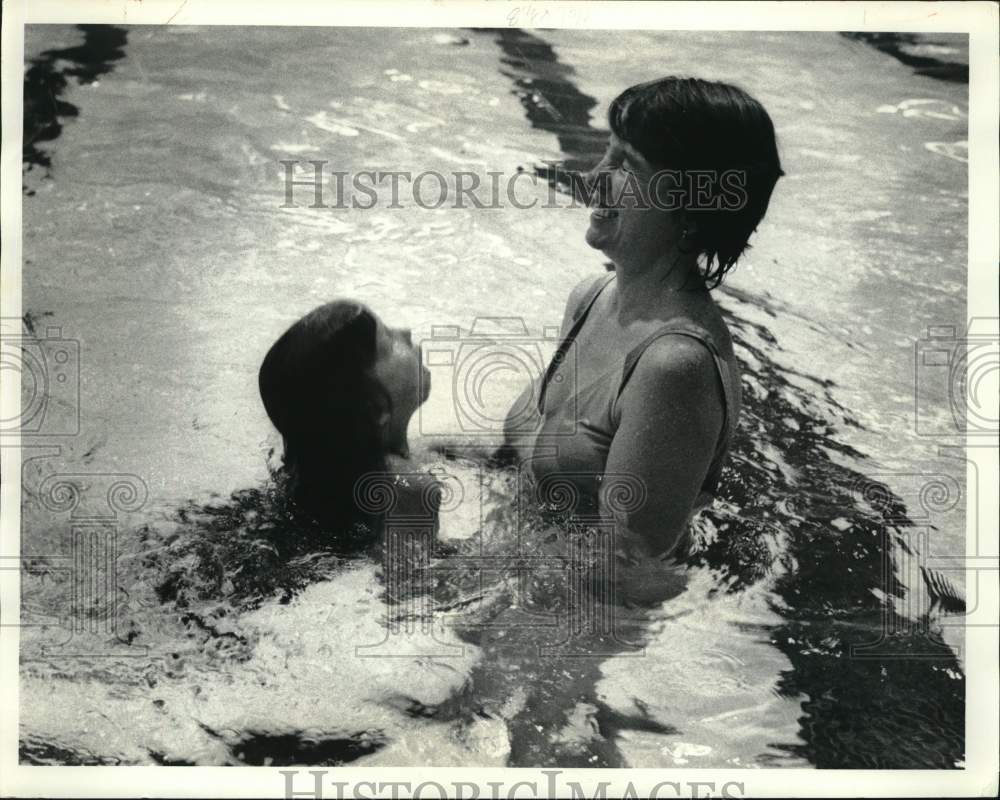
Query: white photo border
[[978, 19]]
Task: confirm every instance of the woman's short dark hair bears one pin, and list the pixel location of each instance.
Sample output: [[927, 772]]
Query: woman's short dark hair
[[318, 390], [691, 124]]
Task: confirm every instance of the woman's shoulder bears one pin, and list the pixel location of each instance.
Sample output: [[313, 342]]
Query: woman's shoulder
[[579, 290], [675, 366], [579, 296], [698, 326], [672, 397], [671, 361]]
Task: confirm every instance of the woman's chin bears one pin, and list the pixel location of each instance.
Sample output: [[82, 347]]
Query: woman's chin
[[598, 238]]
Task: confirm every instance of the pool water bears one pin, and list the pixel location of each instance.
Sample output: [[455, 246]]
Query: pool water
[[801, 633]]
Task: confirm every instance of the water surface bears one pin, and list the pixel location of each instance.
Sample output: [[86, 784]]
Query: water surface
[[801, 633]]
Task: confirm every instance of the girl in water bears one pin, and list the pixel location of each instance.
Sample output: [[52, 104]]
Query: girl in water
[[341, 386]]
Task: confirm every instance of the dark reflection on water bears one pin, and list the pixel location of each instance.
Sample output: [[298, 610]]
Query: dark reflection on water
[[248, 548], [914, 51], [268, 749], [46, 80], [829, 534], [550, 690], [249, 748], [36, 751], [550, 99]]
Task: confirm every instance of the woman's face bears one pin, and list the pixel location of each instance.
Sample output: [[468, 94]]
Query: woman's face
[[624, 221], [399, 369]]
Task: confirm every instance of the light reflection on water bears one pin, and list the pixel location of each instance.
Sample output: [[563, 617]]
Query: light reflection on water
[[750, 663]]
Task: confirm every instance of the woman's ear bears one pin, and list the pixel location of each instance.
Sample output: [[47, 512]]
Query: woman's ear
[[381, 409], [381, 412], [688, 229]]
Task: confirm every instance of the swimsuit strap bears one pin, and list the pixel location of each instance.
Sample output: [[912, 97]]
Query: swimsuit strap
[[583, 307], [729, 410], [579, 316]]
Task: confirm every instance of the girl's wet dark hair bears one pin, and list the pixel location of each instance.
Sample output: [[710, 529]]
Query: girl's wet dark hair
[[691, 124], [318, 390]]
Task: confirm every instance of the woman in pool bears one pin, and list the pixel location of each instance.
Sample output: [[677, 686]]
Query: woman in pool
[[645, 388], [340, 386]]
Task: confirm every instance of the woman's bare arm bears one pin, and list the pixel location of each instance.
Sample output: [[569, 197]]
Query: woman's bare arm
[[672, 413]]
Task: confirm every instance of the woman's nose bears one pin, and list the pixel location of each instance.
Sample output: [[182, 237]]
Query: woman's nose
[[595, 172], [591, 181], [407, 335]]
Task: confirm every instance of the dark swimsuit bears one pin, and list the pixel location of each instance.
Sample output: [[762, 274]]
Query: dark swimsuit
[[572, 440]]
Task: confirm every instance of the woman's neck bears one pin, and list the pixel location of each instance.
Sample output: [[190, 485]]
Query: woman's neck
[[643, 285]]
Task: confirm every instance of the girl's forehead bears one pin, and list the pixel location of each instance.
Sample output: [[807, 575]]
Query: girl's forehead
[[382, 334]]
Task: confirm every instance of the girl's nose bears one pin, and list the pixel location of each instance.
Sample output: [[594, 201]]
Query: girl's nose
[[407, 335]]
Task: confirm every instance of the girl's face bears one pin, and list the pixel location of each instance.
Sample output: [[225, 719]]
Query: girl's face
[[625, 221], [399, 369]]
